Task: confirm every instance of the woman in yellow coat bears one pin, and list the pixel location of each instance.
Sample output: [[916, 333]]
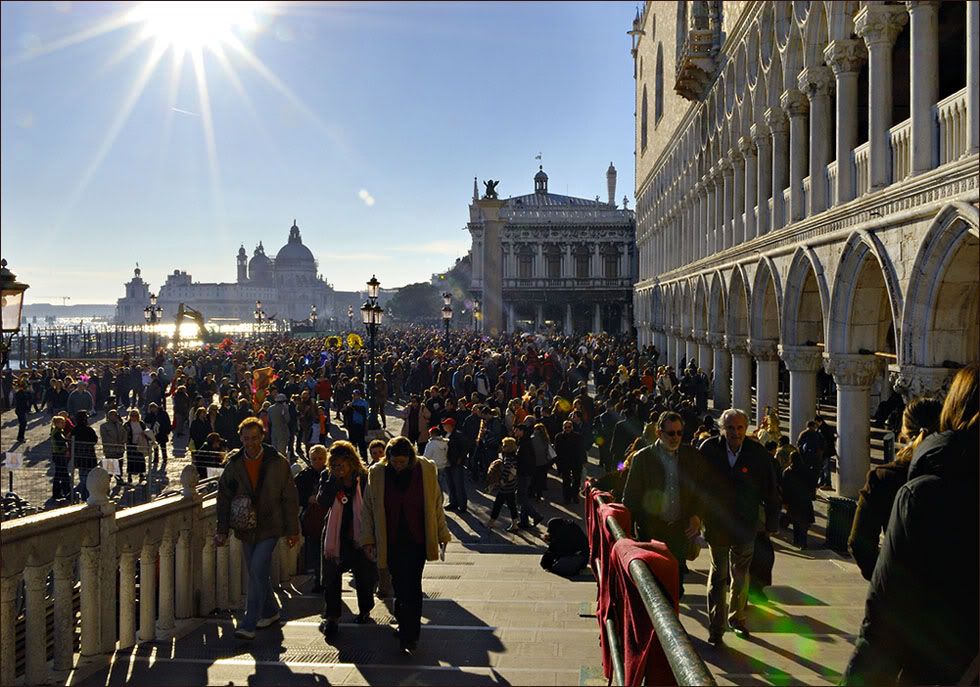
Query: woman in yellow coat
[[402, 526]]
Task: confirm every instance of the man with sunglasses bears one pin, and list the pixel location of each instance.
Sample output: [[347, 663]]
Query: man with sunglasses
[[662, 490]]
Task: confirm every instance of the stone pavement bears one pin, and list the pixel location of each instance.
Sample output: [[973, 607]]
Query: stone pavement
[[493, 616]]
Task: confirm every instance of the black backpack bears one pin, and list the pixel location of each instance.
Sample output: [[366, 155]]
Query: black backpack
[[568, 548]]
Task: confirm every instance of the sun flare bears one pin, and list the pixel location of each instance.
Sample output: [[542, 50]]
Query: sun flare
[[187, 25]]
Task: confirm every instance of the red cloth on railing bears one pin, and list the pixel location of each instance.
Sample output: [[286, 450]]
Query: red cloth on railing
[[643, 656], [601, 542]]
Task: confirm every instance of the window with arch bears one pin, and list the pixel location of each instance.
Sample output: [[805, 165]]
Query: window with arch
[[582, 262], [525, 263], [643, 121], [658, 105]]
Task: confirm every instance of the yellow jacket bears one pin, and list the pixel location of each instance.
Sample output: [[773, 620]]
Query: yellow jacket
[[374, 528]]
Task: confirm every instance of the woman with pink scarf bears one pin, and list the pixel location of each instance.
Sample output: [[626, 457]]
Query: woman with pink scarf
[[341, 494]]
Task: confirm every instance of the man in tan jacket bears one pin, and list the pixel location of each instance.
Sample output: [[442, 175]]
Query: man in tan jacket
[[403, 525]]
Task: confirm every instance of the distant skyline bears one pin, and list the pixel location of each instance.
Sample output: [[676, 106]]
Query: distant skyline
[[366, 122]]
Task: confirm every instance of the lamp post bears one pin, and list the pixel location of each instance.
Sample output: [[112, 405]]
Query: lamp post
[[259, 316], [152, 313], [313, 316], [447, 314], [11, 306], [371, 315], [476, 316], [350, 318]]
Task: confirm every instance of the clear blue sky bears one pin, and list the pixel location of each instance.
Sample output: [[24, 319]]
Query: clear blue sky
[[366, 122]]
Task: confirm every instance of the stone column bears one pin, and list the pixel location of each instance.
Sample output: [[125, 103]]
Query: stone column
[[796, 107], [35, 584], [148, 591], [511, 322], [539, 316], [766, 376], [762, 142], [741, 375], [165, 623], [568, 319], [701, 219], [721, 388], [597, 318], [803, 363], [853, 374], [924, 27], [728, 193], [493, 280], [127, 599], [705, 355], [818, 84], [879, 25], [184, 592], [539, 272], [718, 228], [709, 215], [779, 128], [690, 348], [738, 196], [845, 58], [915, 381], [64, 617], [8, 619], [972, 78], [751, 178]]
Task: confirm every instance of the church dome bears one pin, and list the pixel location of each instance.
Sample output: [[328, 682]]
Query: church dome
[[294, 253], [260, 266]]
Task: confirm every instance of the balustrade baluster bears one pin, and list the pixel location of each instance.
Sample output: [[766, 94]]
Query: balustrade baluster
[[184, 593], [8, 617], [148, 591], [127, 599], [221, 580], [235, 576], [64, 617], [89, 573], [166, 621], [207, 574], [35, 636]]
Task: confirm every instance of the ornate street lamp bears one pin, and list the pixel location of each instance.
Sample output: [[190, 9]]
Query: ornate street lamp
[[153, 313], [371, 316], [11, 307], [313, 316], [259, 315], [350, 318], [447, 314], [476, 316]]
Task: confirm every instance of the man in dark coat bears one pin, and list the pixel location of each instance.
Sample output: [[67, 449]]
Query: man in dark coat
[[570, 455], [739, 478], [663, 489]]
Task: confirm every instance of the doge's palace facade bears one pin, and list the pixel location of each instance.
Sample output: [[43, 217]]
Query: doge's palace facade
[[806, 190]]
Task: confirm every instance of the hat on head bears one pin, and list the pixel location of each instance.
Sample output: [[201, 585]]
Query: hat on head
[[449, 422], [281, 398], [433, 431]]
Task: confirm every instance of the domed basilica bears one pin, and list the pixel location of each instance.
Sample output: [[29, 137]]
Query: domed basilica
[[287, 286]]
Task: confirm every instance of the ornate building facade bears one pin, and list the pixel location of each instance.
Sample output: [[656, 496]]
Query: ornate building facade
[[568, 264], [287, 286], [807, 198]]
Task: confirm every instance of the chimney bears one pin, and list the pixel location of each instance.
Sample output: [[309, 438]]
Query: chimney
[[611, 184]]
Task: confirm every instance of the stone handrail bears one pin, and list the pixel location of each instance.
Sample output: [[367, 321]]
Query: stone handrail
[[172, 538], [862, 162], [950, 113], [832, 184]]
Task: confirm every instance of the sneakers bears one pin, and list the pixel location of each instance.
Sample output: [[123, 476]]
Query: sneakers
[[266, 622], [242, 633]]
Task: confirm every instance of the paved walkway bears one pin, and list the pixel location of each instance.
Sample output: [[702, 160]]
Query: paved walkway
[[492, 616]]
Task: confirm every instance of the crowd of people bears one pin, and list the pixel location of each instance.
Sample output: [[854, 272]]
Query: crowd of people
[[500, 414]]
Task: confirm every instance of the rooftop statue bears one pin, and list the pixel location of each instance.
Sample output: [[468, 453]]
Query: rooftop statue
[[491, 192]]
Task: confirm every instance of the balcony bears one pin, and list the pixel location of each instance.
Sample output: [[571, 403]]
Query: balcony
[[832, 184], [698, 62], [862, 168], [950, 114], [900, 136], [568, 283]]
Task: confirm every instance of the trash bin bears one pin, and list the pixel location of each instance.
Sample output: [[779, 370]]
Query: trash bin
[[840, 517]]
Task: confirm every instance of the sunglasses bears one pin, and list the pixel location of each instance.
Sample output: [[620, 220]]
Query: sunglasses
[[673, 434]]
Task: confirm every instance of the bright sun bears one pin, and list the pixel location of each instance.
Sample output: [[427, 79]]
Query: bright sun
[[187, 25]]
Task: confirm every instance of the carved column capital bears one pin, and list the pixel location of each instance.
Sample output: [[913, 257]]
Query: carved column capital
[[746, 144], [912, 381], [845, 56], [851, 369], [801, 358], [816, 81], [776, 120], [794, 103], [725, 167], [880, 24], [715, 340], [760, 134], [736, 345], [762, 349], [735, 154]]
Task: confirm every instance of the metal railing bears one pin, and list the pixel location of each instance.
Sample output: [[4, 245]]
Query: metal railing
[[687, 666]]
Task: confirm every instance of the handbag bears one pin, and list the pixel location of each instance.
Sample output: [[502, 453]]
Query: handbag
[[243, 517]]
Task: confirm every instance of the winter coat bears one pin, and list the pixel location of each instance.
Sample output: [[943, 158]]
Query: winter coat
[[276, 504], [113, 436], [374, 528], [798, 493], [921, 615], [644, 491], [874, 507]]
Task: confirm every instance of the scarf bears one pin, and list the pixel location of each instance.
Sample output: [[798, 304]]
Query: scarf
[[335, 518]]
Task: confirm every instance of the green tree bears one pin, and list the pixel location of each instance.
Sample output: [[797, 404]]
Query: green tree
[[419, 302]]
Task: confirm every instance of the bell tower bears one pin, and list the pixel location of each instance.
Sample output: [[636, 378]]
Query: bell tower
[[242, 265]]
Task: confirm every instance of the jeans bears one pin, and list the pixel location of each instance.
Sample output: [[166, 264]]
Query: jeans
[[261, 602], [457, 487], [406, 560], [443, 482], [729, 568], [21, 426], [528, 511]]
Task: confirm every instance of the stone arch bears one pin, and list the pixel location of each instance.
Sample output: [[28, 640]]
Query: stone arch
[[774, 81], [840, 19], [681, 32], [717, 304], [700, 306], [801, 10], [739, 297], [658, 102], [866, 300], [815, 35], [730, 87], [767, 301], [656, 307], [741, 71], [687, 307], [940, 322], [751, 51], [782, 22], [767, 39], [760, 98], [806, 299], [643, 120], [792, 56]]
